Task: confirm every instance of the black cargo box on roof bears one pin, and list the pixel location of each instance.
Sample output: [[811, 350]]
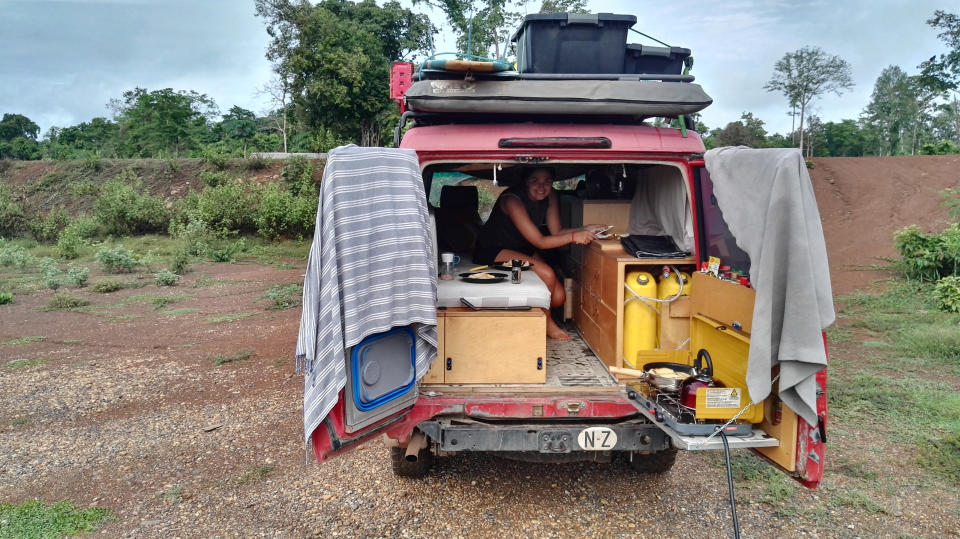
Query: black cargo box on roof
[[648, 59], [572, 42]]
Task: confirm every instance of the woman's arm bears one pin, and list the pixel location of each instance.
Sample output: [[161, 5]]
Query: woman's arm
[[513, 207]]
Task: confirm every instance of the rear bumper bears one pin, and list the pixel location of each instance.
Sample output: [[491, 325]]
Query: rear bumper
[[545, 437]]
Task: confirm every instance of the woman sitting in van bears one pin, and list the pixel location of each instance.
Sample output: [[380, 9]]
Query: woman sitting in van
[[514, 232]]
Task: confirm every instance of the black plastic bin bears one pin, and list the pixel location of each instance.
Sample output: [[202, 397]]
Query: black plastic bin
[[641, 59], [572, 43]]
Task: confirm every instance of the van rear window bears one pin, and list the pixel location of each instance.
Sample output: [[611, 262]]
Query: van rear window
[[715, 237]]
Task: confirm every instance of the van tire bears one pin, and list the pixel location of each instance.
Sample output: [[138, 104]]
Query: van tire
[[656, 463], [404, 468]]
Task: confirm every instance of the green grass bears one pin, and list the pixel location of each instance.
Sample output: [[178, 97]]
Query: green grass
[[242, 355], [65, 302], [177, 312], [256, 474], [159, 301], [857, 500], [233, 317], [270, 252], [20, 421], [35, 519], [24, 363], [173, 495], [904, 383], [22, 340], [285, 296]]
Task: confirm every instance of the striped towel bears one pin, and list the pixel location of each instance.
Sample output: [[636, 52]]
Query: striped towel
[[371, 268]]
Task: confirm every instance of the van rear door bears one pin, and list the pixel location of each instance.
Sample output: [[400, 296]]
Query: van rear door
[[800, 451]]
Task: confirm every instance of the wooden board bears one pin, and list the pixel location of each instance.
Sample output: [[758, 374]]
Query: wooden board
[[786, 431], [607, 212], [726, 302], [489, 347], [674, 323], [728, 350]]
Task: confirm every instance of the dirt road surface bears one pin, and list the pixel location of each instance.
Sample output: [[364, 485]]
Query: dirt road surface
[[124, 408]]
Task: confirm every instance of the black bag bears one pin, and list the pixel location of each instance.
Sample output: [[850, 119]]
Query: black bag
[[652, 247]]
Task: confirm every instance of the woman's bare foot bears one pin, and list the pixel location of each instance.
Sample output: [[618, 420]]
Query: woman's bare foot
[[554, 331]]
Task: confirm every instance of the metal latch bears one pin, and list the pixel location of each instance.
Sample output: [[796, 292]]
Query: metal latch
[[530, 159]]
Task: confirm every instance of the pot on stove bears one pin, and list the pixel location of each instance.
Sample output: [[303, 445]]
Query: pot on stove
[[703, 377]]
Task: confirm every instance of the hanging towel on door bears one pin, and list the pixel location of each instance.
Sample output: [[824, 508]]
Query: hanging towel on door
[[768, 203], [371, 268]]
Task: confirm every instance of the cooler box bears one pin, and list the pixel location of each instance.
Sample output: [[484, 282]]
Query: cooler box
[[383, 368], [572, 43], [641, 59]]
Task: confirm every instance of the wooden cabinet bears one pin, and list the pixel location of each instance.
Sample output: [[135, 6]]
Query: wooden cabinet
[[490, 347], [599, 315]]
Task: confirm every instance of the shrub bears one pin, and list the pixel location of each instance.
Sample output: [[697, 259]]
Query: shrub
[[52, 276], [181, 262], [282, 214], [116, 260], [947, 292], [195, 235], [11, 213], [213, 179], [255, 163], [78, 276], [227, 252], [166, 278], [123, 208], [85, 188], [297, 173], [14, 255], [46, 228], [920, 255], [107, 286], [214, 157], [61, 302], [226, 209], [6, 297]]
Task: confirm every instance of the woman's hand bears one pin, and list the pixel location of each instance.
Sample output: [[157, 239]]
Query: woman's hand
[[595, 228], [582, 237]]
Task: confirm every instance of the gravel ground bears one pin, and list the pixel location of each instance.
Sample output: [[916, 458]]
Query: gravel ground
[[131, 414]]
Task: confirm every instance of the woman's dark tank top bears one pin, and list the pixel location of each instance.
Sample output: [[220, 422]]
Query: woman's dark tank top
[[500, 233]]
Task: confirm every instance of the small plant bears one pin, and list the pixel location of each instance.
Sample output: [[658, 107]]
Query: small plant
[[255, 163], [52, 276], [22, 340], [24, 363], [256, 474], [14, 255], [6, 297], [11, 213], [213, 179], [166, 278], [947, 293], [116, 259], [285, 296], [74, 237], [85, 188], [227, 252], [180, 263], [242, 355], [105, 287], [34, 518], [65, 302]]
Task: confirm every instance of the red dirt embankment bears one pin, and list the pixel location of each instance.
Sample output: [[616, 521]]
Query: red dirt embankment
[[864, 200]]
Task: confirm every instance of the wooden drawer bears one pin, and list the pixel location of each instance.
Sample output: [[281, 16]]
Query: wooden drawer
[[599, 327], [502, 348], [591, 270], [610, 294]]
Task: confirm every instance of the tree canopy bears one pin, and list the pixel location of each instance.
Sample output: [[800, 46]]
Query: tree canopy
[[336, 56], [806, 74]]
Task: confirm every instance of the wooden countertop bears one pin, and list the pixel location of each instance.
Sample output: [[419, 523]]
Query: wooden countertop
[[614, 249]]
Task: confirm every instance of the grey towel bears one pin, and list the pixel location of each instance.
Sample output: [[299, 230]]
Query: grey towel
[[371, 268], [768, 202]]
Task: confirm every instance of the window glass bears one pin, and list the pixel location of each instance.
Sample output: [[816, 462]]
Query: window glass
[[715, 237]]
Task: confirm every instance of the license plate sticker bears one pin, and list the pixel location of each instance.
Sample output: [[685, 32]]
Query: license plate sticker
[[723, 397], [597, 439]]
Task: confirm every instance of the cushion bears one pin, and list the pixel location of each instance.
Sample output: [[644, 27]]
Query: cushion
[[530, 292]]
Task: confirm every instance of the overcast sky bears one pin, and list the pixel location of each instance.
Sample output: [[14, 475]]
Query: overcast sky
[[61, 61]]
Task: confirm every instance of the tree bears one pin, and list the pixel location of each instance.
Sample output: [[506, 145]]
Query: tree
[[844, 139], [162, 122], [239, 125], [336, 55], [748, 131], [940, 74], [806, 74], [893, 112], [18, 125], [278, 90]]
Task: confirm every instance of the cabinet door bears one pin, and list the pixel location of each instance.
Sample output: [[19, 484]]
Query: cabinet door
[[496, 349]]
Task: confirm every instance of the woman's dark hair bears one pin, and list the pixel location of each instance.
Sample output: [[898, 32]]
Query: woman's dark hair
[[530, 171]]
